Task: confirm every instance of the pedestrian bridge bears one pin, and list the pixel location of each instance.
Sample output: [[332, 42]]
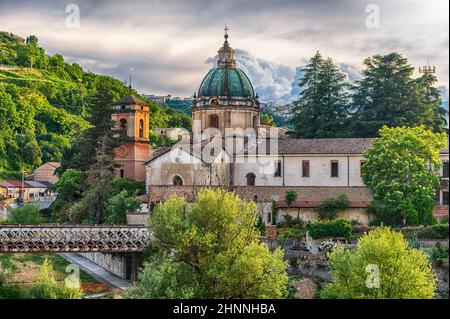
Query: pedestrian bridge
[[61, 238]]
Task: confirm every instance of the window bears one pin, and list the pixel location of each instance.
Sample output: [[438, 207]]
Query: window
[[334, 168], [305, 168], [445, 198], [250, 179], [214, 121], [141, 128], [123, 127], [361, 164], [255, 123], [278, 169], [445, 168], [122, 173], [177, 180]]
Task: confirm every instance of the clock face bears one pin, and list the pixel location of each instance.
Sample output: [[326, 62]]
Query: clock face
[[122, 151]]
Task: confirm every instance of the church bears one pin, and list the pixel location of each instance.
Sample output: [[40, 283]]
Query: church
[[229, 148]]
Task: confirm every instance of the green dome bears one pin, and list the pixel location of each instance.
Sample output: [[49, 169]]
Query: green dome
[[226, 82]]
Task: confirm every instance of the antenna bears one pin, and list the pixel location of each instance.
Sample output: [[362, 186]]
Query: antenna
[[129, 86], [427, 69]]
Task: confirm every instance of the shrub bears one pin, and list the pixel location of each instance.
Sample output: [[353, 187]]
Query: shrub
[[403, 272], [46, 286], [329, 208], [436, 231], [334, 228], [438, 254], [382, 214], [290, 233], [260, 226], [28, 214]]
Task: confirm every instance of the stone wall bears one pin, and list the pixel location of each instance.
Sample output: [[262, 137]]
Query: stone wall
[[115, 263]]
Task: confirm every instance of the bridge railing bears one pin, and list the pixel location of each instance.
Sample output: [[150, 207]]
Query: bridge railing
[[58, 238]]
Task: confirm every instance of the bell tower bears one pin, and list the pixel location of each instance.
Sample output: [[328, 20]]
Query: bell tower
[[132, 116]]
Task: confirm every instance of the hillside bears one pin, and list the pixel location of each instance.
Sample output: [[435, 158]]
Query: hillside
[[44, 104]]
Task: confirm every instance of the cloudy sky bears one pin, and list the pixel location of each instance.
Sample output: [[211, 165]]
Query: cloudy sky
[[167, 46]]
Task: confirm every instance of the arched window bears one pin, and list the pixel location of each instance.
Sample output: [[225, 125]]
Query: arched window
[[176, 180], [141, 128], [250, 179], [123, 127], [214, 121]]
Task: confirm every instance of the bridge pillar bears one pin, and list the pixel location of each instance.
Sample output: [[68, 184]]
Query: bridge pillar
[[136, 263]]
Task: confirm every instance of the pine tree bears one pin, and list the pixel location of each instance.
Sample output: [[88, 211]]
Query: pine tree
[[102, 134], [388, 95], [322, 107]]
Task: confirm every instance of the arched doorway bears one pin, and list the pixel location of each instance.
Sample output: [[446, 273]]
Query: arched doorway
[[250, 179], [177, 180]]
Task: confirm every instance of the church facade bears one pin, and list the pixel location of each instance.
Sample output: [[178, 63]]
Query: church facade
[[229, 148]]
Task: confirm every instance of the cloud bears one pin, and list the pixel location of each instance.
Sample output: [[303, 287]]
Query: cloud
[[163, 44]]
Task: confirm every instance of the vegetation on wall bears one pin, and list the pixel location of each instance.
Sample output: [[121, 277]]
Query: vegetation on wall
[[329, 208]]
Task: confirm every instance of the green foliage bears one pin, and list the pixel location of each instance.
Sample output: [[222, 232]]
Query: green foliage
[[261, 226], [8, 291], [287, 233], [333, 228], [436, 231], [267, 119], [290, 222], [126, 184], [210, 249], [388, 95], [438, 254], [397, 171], [46, 286], [69, 185], [323, 105], [329, 208], [404, 272], [290, 197], [28, 214], [119, 205]]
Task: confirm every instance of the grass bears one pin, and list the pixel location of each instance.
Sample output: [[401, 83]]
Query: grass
[[17, 262]]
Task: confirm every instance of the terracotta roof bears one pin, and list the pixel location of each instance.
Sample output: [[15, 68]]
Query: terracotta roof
[[129, 100], [314, 204], [157, 152], [54, 164], [35, 184], [324, 145]]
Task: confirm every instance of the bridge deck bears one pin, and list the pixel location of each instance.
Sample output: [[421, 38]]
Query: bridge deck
[[61, 238]]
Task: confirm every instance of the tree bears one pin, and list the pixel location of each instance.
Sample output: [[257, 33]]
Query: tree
[[28, 214], [322, 107], [209, 249], [397, 171], [119, 205], [289, 198], [100, 138], [69, 185], [46, 286], [388, 95], [382, 266]]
